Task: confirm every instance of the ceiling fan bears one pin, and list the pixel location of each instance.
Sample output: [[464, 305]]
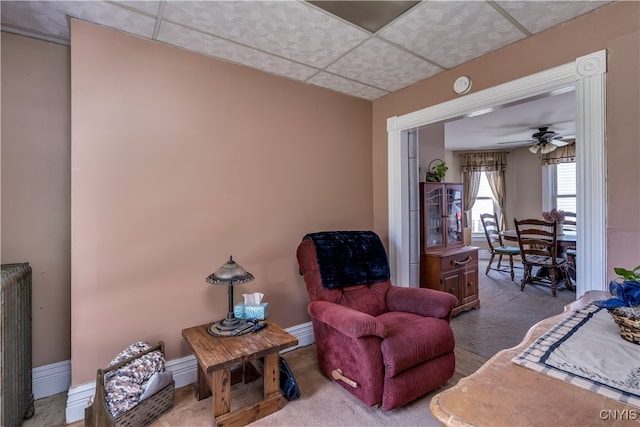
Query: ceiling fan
[[545, 141]]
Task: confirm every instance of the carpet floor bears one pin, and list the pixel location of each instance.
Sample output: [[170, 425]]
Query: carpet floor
[[505, 315], [322, 402]]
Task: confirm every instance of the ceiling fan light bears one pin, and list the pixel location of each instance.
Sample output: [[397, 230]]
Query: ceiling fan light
[[548, 148], [534, 148]]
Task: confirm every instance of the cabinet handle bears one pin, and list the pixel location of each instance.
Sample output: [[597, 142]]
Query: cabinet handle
[[464, 262]]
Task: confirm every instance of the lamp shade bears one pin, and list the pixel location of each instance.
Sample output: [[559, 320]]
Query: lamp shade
[[231, 273]]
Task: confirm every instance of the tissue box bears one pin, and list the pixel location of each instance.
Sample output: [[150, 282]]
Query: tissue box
[[246, 311]]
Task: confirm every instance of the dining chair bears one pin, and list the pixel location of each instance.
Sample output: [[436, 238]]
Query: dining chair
[[496, 245], [538, 241], [569, 224]]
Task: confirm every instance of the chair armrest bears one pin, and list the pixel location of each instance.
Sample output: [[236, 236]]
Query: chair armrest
[[350, 322], [426, 302]]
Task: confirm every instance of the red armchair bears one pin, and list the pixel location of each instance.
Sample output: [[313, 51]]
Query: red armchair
[[387, 345]]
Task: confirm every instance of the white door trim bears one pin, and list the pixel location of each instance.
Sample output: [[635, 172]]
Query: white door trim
[[587, 73]]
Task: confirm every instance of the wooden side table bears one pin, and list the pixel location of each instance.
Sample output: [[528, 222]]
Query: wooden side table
[[216, 356]]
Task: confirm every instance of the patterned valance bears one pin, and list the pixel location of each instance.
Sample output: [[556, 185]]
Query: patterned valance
[[483, 161], [566, 154]]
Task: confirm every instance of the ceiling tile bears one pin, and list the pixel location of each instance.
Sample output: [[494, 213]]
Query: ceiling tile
[[47, 17], [36, 16], [292, 30], [114, 16], [146, 6], [537, 16], [450, 33], [213, 46], [299, 40], [340, 84], [380, 64]]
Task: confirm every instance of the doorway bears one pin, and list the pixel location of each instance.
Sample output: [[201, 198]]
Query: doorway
[[587, 73]]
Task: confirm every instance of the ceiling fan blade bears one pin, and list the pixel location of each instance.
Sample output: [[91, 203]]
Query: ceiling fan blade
[[559, 142], [515, 142]]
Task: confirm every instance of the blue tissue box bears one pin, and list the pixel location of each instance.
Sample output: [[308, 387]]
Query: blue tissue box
[[243, 311]]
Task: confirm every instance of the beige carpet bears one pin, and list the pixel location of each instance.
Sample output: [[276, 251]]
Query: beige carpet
[[322, 402], [506, 313]]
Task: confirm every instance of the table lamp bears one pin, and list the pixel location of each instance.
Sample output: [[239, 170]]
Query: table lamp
[[230, 274]]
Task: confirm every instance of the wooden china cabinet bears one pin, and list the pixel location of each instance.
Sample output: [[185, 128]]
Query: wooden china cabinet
[[446, 264]]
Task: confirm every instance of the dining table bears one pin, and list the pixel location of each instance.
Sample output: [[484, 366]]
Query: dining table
[[565, 240]]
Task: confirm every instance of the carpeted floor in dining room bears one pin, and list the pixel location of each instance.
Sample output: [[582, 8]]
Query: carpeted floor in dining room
[[505, 315]]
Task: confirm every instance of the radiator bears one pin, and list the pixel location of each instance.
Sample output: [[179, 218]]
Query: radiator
[[16, 394]]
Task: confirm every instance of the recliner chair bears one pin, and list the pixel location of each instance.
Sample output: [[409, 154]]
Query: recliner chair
[[387, 345]]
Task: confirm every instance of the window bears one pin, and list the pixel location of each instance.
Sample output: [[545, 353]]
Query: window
[[484, 204], [565, 187]]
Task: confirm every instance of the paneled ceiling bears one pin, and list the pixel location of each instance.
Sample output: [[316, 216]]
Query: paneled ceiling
[[366, 49]]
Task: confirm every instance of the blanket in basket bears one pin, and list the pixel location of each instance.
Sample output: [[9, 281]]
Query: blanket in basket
[[125, 387]]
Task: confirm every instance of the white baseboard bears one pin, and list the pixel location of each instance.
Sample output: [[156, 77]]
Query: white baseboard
[[184, 373], [51, 379]]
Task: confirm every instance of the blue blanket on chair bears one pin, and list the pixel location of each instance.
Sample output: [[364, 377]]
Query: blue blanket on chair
[[350, 258]]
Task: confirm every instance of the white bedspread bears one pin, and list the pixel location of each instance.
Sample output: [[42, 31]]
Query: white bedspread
[[586, 350]]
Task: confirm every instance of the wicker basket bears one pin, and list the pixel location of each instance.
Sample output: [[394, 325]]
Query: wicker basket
[[143, 414], [629, 326], [148, 410]]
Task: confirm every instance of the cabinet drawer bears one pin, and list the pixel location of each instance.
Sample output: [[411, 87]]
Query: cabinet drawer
[[459, 260]]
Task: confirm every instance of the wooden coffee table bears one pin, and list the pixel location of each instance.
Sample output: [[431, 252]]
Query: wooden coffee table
[[216, 356], [502, 393]]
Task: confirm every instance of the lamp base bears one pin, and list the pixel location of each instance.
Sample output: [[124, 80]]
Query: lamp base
[[229, 327], [231, 324]]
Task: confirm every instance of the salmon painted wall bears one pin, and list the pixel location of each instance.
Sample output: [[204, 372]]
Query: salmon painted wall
[[178, 161], [36, 160], [36, 182], [614, 27]]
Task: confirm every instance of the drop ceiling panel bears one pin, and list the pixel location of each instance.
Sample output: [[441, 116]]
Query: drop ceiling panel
[[50, 18], [451, 33], [301, 41], [288, 29], [210, 45], [350, 87], [150, 7], [39, 17], [537, 16], [383, 65]]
